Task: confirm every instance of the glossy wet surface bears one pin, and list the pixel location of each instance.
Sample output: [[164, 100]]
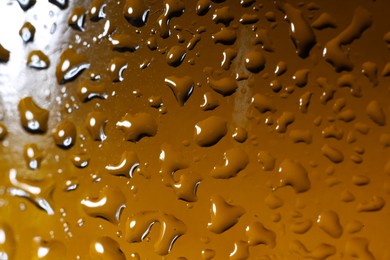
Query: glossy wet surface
[[194, 129]]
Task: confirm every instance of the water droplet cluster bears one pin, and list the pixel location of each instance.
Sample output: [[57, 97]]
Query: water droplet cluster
[[202, 129]]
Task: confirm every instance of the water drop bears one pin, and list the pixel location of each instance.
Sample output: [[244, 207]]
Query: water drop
[[77, 18], [182, 87], [209, 131], [4, 54], [62, 4], [116, 68], [70, 65], [106, 248], [3, 131], [87, 91], [240, 251], [136, 12], [375, 113], [26, 4], [223, 15], [8, 244], [32, 155], [27, 32], [202, 7], [176, 55], [329, 222], [266, 160], [210, 102], [249, 19], [254, 61], [97, 10], [80, 160], [301, 33], [124, 42], [225, 86], [95, 124], [33, 118]]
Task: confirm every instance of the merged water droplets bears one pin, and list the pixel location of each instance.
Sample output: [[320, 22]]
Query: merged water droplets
[[36, 189], [333, 51], [223, 215], [321, 252], [139, 225], [108, 205], [171, 161], [240, 250], [137, 126], [374, 203], [332, 153], [187, 185], [38, 60], [358, 247], [172, 8], [193, 119], [295, 175], [223, 15], [126, 166], [235, 161], [301, 33], [258, 234]]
